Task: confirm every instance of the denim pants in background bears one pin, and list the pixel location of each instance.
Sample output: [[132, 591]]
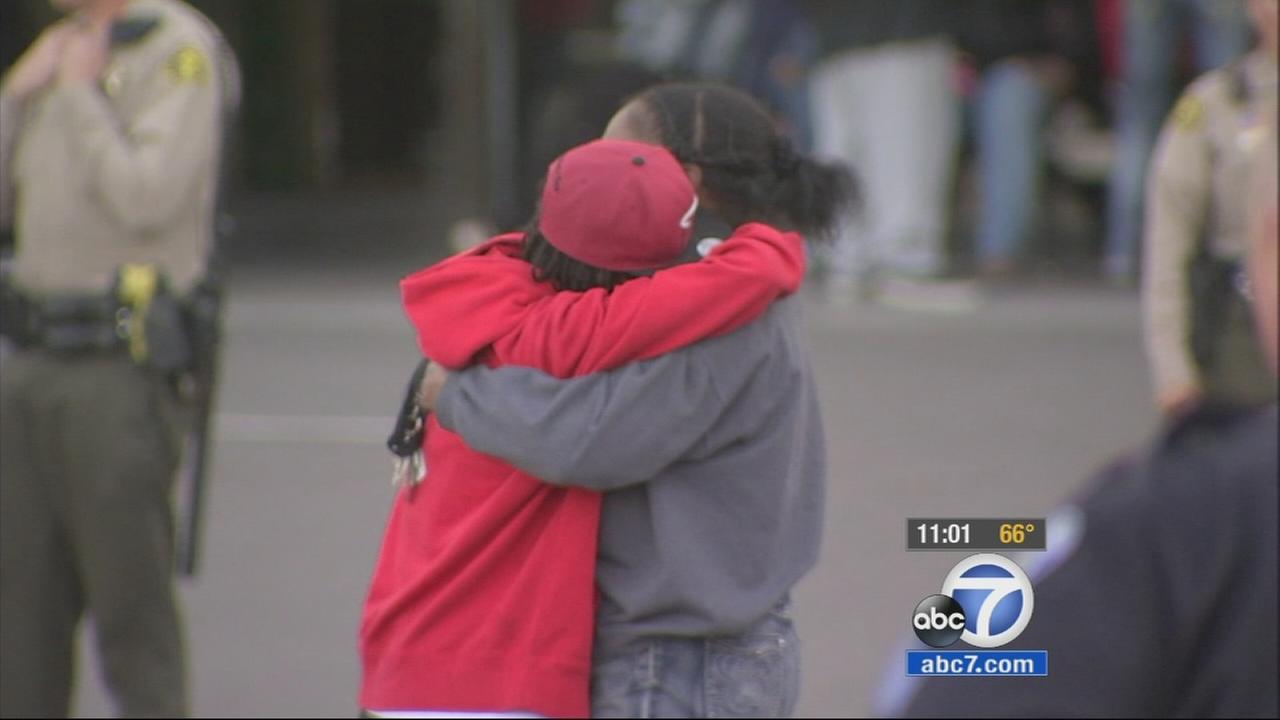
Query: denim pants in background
[[1153, 29], [1009, 113], [754, 674]]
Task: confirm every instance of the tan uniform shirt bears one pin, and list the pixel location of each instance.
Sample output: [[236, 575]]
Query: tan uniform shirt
[[125, 171], [1198, 189]]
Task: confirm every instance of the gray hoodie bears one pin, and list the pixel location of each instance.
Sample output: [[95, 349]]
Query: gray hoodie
[[712, 463]]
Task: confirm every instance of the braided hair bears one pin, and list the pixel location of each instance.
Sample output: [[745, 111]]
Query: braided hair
[[563, 272], [750, 170]]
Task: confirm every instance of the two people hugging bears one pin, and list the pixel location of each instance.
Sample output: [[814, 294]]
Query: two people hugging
[[626, 460]]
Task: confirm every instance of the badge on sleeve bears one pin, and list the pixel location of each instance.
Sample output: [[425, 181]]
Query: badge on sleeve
[[1188, 114], [113, 81], [188, 65]]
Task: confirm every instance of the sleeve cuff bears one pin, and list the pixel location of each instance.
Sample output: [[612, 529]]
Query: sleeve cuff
[[448, 396]]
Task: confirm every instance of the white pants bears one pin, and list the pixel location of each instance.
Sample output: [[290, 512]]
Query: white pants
[[892, 113]]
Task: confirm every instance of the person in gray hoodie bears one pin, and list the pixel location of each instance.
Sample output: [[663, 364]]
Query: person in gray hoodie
[[711, 458]]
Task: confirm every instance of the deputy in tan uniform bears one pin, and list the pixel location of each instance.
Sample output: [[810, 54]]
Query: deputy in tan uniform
[[112, 125], [1199, 338]]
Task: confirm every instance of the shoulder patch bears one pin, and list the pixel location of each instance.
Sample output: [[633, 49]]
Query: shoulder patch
[[1188, 114], [188, 65]]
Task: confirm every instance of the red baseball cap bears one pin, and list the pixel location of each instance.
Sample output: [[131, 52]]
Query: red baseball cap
[[618, 205]]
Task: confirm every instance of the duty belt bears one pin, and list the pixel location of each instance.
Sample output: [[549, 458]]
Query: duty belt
[[66, 323], [139, 312]]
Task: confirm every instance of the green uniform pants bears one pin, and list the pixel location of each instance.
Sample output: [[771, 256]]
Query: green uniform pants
[[90, 445]]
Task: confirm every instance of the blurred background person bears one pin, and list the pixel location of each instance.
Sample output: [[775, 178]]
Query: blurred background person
[[112, 123], [1151, 38], [1199, 338], [777, 55], [1028, 55], [885, 103], [764, 47]]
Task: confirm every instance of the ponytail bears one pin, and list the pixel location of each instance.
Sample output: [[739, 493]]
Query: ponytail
[[813, 196]]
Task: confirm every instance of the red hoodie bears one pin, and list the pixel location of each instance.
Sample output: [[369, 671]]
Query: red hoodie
[[482, 598]]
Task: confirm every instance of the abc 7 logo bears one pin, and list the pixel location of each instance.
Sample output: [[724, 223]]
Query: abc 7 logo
[[986, 601]]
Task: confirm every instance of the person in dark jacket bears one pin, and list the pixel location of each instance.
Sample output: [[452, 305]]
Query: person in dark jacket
[[1157, 594]]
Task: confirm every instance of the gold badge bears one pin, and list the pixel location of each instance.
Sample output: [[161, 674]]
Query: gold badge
[[188, 65], [113, 81], [1189, 113]]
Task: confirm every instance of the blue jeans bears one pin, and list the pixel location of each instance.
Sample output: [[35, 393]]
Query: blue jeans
[[1152, 30], [754, 674], [1009, 114]]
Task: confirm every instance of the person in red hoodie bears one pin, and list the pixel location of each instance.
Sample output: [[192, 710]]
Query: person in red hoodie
[[483, 596]]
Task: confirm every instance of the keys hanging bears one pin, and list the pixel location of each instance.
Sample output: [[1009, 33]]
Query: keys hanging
[[409, 471], [405, 441]]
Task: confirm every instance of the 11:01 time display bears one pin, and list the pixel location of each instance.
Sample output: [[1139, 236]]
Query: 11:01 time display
[[938, 534]]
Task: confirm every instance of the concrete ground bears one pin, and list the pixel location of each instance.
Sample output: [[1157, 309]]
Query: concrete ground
[[1004, 411]]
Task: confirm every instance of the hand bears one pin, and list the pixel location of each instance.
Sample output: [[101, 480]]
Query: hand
[[85, 56], [38, 64], [1179, 402], [433, 381]]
